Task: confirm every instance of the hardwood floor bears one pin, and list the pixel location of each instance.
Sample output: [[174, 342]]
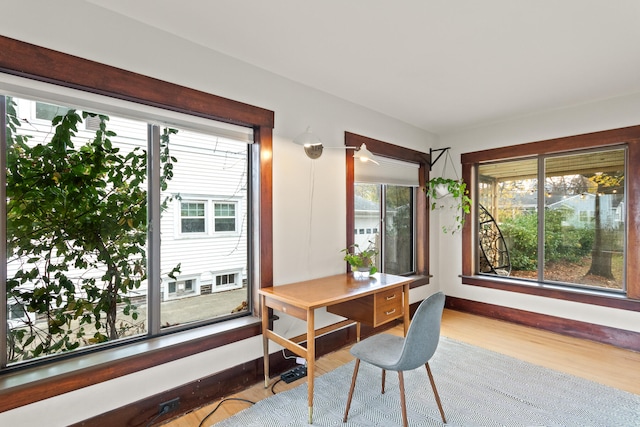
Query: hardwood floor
[[594, 361]]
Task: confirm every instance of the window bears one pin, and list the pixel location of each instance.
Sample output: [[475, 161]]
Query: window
[[225, 217], [545, 230], [193, 217], [227, 281], [77, 238], [390, 207], [386, 206], [181, 288], [552, 218], [98, 78], [47, 112]]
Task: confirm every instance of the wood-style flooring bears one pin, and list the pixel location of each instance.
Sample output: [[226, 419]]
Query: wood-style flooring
[[597, 362]]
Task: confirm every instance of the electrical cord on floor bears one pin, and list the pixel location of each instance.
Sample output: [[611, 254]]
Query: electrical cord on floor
[[273, 385], [220, 403]]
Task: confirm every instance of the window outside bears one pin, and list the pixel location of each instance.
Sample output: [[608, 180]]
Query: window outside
[[388, 208], [193, 217], [571, 231], [225, 219], [77, 228]]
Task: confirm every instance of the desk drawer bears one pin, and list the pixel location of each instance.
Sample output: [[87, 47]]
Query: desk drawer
[[388, 306], [373, 310]]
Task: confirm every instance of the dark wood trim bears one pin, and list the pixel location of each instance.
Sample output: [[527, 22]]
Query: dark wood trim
[[38, 63], [557, 145], [350, 191], [397, 152], [30, 61], [540, 289], [603, 334], [205, 390], [265, 136], [629, 136], [386, 149]]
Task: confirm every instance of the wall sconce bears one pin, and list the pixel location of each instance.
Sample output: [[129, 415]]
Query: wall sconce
[[311, 143], [313, 147], [364, 155]]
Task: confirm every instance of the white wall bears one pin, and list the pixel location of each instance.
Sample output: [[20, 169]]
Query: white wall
[[586, 118], [309, 196]]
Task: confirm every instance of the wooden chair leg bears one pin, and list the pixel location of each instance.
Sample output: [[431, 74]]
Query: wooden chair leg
[[353, 387], [405, 422], [435, 392], [384, 376]]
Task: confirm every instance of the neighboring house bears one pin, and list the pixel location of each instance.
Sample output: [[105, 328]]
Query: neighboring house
[[581, 210]]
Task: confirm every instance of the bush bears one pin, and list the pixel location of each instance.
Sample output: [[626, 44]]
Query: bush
[[562, 243]]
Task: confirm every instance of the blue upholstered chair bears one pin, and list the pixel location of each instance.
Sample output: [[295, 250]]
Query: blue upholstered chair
[[394, 353]]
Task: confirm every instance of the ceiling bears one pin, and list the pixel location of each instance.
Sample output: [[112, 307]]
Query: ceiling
[[440, 65]]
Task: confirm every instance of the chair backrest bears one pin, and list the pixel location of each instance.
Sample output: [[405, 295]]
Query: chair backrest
[[423, 334]]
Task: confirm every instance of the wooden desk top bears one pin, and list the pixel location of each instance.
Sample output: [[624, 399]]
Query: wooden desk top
[[326, 291]]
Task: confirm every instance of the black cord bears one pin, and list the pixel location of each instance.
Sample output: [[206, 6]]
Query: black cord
[[153, 420], [220, 403], [273, 385]]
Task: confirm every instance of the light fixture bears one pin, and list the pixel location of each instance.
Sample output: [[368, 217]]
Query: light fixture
[[311, 143], [313, 147], [365, 155]]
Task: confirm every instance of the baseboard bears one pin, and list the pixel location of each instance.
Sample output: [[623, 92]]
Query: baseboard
[[203, 391], [604, 334]]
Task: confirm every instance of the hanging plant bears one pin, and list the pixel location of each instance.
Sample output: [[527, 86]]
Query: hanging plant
[[445, 193]]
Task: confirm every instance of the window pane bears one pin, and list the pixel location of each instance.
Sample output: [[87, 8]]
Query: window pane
[[225, 217], [585, 219], [508, 218], [367, 214], [76, 230], [49, 111], [398, 236], [225, 209], [225, 224], [208, 167]]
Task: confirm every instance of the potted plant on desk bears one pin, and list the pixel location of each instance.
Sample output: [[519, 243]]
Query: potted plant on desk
[[361, 261]]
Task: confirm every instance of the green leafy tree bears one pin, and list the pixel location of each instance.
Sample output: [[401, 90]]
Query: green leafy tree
[[73, 209]]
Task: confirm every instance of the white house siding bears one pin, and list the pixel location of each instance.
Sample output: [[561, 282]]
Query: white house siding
[[208, 169]]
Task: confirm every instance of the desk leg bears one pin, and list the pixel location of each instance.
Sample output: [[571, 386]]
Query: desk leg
[[265, 339], [311, 359], [405, 321], [358, 329]]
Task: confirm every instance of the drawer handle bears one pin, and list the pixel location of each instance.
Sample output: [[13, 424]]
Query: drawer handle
[[389, 313], [391, 297]]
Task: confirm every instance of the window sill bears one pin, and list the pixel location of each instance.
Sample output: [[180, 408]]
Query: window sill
[[419, 280], [593, 297], [24, 386]]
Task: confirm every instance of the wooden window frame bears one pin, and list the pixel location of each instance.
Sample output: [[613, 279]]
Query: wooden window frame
[[395, 152], [32, 384], [630, 136]]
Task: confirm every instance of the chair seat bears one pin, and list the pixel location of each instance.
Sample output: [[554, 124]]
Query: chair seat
[[382, 350]]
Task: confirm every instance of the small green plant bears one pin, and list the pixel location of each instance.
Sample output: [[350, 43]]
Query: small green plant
[[359, 259], [438, 189]]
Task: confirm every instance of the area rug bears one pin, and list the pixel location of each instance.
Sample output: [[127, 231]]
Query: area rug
[[477, 388]]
